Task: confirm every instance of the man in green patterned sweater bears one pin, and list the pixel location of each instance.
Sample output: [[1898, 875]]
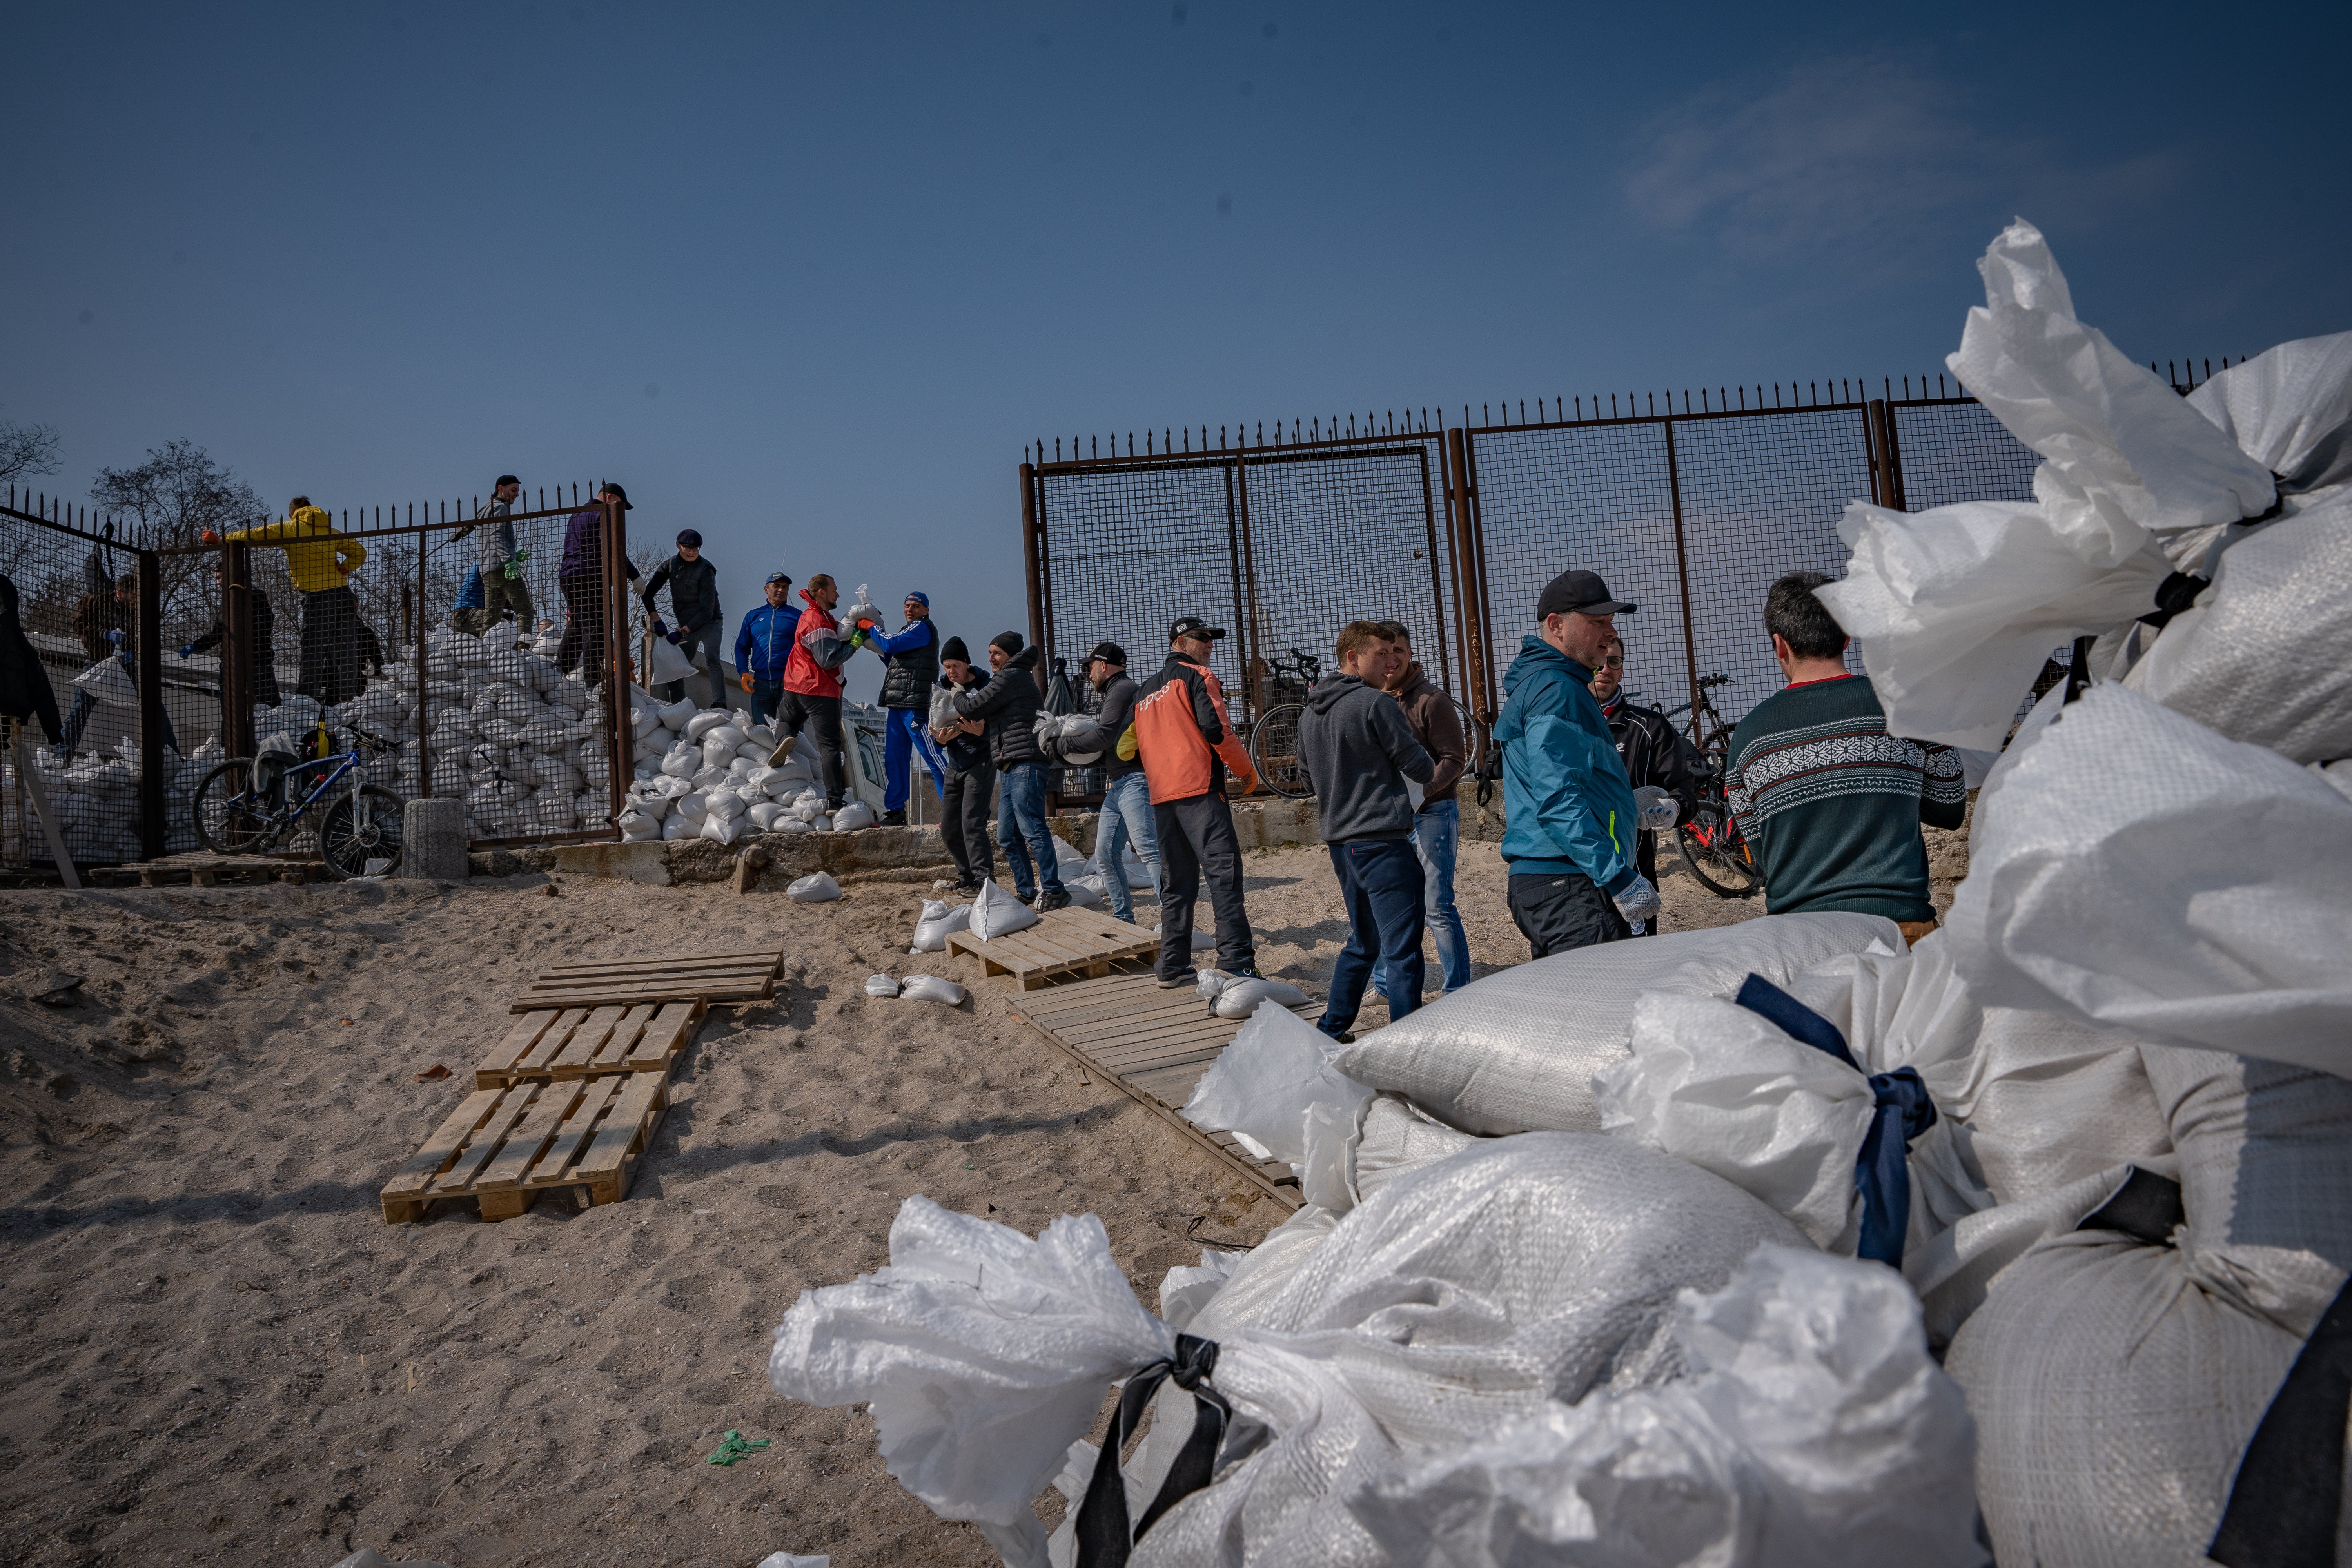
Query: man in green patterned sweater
[[1831, 803]]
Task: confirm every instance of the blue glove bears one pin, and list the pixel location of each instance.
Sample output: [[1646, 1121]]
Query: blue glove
[[115, 637], [676, 637]]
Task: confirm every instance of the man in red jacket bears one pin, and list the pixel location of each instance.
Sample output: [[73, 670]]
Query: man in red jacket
[[811, 695]]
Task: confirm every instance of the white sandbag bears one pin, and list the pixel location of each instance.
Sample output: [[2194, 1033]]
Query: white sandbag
[[2260, 656], [1813, 1432], [1276, 1090], [786, 823], [108, 681], [1239, 996], [817, 887], [708, 777], [726, 734], [725, 803], [678, 824], [764, 815], [995, 913], [2133, 870], [637, 825], [724, 830], [937, 922], [682, 764], [932, 988], [693, 806], [1957, 608], [881, 986], [1068, 862], [1396, 1138], [853, 816], [701, 723], [762, 736], [1516, 1050], [1086, 893], [668, 664]]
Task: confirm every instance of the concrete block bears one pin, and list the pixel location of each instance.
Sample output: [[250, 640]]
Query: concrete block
[[432, 840], [639, 862]]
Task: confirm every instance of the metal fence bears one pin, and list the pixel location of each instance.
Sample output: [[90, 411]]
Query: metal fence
[[271, 630], [1688, 506]]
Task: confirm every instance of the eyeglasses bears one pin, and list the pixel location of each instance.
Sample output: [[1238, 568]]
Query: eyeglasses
[[1612, 664]]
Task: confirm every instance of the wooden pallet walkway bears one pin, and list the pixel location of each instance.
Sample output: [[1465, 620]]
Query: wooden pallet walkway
[[204, 869], [1063, 942], [1154, 1044], [707, 978], [503, 1147], [589, 1042]]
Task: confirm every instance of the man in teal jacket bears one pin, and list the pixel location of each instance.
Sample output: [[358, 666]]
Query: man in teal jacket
[[1570, 838]]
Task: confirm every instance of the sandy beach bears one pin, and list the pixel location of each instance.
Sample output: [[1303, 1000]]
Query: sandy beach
[[216, 1351]]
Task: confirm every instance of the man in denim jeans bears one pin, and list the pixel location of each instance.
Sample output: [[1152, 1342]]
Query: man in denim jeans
[[1434, 721], [1005, 711], [1126, 794]]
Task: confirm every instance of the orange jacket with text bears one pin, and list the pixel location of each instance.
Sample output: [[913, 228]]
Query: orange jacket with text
[[1182, 736]]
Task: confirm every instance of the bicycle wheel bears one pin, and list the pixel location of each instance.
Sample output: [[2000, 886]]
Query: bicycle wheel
[[1274, 752], [1715, 851], [353, 832], [231, 818]]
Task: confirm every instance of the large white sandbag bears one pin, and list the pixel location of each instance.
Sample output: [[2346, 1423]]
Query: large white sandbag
[[932, 988], [678, 824], [1814, 1432], [637, 825], [853, 816], [1275, 1088], [1516, 1050], [1956, 608], [764, 815], [1240, 996], [938, 920], [701, 723], [669, 664], [2131, 870], [1086, 893], [817, 887], [995, 913], [1396, 1138], [2288, 408], [724, 830]]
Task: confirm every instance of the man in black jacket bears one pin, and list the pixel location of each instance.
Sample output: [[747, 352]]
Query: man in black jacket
[[971, 776], [1357, 752], [1653, 755], [263, 675], [1127, 815], [694, 601], [1007, 709]]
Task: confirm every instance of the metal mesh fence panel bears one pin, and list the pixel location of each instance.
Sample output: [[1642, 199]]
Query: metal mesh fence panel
[[1956, 451], [1596, 497], [1761, 497]]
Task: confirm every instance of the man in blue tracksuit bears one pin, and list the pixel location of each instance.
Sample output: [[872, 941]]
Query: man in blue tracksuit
[[912, 657], [1573, 822], [763, 645]]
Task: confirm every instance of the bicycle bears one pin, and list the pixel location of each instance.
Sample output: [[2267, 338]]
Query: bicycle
[[1708, 836], [240, 809], [1274, 741]]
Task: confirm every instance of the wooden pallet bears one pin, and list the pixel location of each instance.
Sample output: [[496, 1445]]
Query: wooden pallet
[[1080, 942], [503, 1147], [713, 978], [206, 870], [588, 1042], [1154, 1044]]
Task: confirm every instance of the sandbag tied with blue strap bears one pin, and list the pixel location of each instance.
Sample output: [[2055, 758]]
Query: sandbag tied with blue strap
[[1104, 1540], [1881, 1172]]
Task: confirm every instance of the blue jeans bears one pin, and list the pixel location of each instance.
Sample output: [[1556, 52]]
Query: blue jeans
[[1021, 829], [765, 694], [904, 736], [1127, 815], [1437, 837], [1381, 883]]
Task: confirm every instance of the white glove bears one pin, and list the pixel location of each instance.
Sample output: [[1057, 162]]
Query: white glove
[[1657, 809], [1638, 902]]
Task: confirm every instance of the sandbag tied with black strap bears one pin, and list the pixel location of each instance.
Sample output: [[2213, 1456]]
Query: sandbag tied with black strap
[[1104, 1537]]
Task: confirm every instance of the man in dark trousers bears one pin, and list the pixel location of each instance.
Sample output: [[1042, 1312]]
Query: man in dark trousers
[[911, 655], [1431, 717], [813, 687], [1569, 837], [694, 603], [1357, 752], [1186, 744], [971, 777], [1127, 815], [1006, 708], [1656, 764], [263, 675], [581, 574], [1831, 803]]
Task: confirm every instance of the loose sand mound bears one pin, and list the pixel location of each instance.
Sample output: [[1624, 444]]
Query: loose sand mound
[[216, 1351]]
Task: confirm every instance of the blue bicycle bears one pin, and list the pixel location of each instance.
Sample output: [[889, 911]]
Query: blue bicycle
[[252, 805]]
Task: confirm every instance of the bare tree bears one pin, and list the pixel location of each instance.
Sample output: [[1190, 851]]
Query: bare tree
[[171, 500], [26, 450]]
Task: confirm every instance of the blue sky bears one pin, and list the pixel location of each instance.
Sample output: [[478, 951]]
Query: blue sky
[[809, 278]]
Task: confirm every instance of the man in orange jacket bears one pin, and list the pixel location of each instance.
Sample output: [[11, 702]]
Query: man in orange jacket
[[1186, 744]]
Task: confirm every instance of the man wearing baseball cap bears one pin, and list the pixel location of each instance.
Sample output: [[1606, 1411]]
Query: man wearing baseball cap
[[1127, 815], [1186, 744], [764, 645], [580, 572], [1569, 837], [911, 656], [694, 602]]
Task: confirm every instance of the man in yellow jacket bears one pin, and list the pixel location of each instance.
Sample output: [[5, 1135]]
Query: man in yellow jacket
[[321, 562]]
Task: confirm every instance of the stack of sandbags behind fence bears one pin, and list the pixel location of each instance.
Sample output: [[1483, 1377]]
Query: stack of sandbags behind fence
[[95, 796], [704, 772]]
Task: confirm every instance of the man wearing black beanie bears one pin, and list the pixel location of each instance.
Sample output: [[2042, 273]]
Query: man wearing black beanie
[[972, 776], [1009, 704]]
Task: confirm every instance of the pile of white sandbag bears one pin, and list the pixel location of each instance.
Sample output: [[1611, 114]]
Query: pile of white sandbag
[[95, 796], [703, 772]]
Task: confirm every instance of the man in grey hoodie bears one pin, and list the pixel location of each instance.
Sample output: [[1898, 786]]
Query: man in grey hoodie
[[504, 593], [1358, 753]]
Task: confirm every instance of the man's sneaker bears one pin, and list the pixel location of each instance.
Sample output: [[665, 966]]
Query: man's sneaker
[[1030, 898], [783, 748], [1182, 978], [1047, 902], [1247, 971], [970, 890], [893, 819]]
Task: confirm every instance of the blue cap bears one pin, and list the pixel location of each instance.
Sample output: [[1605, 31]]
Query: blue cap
[[920, 597], [779, 577]]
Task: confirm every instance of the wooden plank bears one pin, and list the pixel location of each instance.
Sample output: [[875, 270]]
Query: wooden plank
[[28, 779], [552, 1043], [417, 1171], [614, 1055], [554, 1168], [512, 1105], [740, 960], [585, 1042], [530, 1138], [750, 973], [627, 1132], [666, 1034], [512, 1047], [635, 994]]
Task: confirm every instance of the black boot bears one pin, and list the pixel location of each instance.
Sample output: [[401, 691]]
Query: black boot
[[894, 820]]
